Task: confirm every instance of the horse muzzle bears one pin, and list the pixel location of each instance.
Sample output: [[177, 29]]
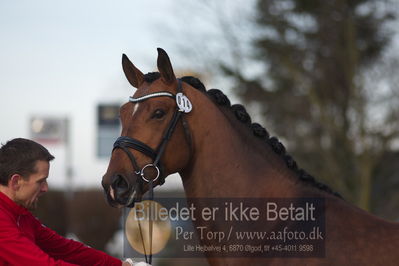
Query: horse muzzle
[[121, 192]]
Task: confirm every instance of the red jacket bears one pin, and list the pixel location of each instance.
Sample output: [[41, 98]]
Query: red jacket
[[25, 241]]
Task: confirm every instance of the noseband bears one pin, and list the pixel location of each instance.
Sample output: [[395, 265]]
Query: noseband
[[125, 143]]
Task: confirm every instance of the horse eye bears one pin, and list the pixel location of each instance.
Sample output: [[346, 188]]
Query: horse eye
[[158, 114]]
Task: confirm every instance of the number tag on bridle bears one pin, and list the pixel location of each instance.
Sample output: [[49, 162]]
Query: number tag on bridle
[[183, 103]]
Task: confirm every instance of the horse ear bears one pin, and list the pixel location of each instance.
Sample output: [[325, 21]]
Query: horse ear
[[165, 67], [133, 75]]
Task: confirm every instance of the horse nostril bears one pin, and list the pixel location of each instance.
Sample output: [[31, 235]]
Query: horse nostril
[[120, 188], [119, 182]]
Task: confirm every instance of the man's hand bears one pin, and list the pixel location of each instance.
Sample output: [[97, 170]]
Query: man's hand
[[125, 263], [130, 262]]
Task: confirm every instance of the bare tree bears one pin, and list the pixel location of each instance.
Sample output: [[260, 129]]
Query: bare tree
[[321, 73]]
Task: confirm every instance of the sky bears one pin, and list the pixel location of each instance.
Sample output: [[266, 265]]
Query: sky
[[62, 58]]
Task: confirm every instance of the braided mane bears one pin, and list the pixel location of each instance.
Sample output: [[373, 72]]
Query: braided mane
[[258, 131]]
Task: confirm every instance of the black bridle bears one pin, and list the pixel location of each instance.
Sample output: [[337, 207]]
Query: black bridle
[[125, 143]]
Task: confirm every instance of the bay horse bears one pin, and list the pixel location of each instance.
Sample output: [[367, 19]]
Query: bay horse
[[219, 153]]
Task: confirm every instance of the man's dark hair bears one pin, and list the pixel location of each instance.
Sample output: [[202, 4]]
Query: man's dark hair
[[19, 156]]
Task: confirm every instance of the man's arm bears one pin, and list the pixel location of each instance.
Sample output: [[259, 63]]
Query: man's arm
[[69, 250], [17, 249]]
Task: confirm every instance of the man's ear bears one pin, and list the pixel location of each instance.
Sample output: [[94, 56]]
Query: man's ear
[[15, 182]]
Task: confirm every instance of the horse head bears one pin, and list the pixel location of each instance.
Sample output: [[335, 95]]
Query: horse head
[[152, 127]]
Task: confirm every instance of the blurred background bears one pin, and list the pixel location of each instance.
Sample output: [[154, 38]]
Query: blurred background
[[320, 75]]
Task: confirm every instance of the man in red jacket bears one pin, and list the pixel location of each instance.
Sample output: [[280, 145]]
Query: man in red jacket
[[24, 169]]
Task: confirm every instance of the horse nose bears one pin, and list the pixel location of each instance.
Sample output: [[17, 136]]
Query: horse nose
[[119, 182], [120, 186]]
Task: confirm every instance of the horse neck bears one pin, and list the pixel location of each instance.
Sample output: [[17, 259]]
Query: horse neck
[[227, 163]]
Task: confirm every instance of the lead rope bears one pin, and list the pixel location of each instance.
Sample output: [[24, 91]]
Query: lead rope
[[150, 225], [142, 238]]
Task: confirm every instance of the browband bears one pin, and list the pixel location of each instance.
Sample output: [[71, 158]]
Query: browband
[[151, 95]]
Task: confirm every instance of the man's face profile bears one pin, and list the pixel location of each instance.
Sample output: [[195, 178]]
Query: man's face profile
[[31, 187]]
